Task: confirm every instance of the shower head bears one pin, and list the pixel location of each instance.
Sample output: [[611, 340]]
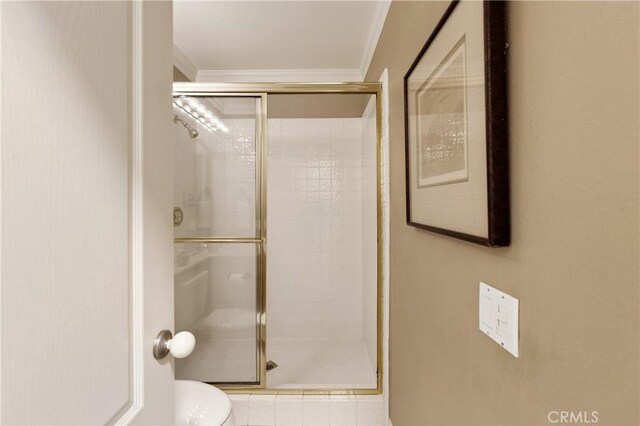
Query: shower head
[[193, 133]]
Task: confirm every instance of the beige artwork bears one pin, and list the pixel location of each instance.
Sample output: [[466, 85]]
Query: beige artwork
[[442, 117]]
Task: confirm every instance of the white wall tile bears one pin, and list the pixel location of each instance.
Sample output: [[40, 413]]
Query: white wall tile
[[262, 410], [342, 410], [288, 410], [315, 228], [315, 410], [240, 409], [370, 410]]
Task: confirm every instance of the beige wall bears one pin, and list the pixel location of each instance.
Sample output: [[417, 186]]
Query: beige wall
[[573, 262], [179, 75], [317, 106]]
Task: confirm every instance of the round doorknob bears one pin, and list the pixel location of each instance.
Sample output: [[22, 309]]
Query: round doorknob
[[180, 346]]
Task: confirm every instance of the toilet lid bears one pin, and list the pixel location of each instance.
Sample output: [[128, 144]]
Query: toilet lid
[[200, 403]]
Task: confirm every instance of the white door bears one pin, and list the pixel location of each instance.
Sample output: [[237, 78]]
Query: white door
[[86, 204]]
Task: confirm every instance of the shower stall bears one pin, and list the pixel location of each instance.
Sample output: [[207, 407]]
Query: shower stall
[[278, 235]]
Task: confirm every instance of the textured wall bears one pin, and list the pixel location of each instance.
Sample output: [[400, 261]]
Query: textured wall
[[573, 262], [65, 265]]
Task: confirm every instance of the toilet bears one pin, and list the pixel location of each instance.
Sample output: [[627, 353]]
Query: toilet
[[198, 403]]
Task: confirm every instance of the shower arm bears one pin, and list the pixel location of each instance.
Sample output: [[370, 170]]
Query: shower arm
[[177, 119]]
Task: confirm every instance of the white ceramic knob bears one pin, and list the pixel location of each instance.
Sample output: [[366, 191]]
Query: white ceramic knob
[[182, 344]]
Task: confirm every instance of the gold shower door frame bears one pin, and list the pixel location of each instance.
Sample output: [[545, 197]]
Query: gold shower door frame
[[262, 91]]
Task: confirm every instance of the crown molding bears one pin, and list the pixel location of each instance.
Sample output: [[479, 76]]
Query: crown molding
[[184, 64], [281, 75], [188, 68], [379, 18]]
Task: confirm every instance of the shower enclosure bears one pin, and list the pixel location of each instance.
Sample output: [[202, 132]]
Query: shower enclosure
[[290, 303]]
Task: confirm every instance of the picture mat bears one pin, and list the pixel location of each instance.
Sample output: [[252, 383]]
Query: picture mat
[[441, 133], [462, 206]]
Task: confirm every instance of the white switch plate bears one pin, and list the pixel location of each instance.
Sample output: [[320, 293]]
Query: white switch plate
[[499, 315]]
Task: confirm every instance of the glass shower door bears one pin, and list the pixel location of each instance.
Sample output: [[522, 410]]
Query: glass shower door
[[218, 236]]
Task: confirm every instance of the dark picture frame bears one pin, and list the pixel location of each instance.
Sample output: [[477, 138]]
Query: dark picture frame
[[443, 158]]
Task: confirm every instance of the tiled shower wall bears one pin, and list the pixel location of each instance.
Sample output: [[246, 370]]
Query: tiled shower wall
[[319, 219], [215, 285], [219, 167]]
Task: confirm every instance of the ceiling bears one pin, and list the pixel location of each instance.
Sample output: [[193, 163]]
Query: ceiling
[[276, 40]]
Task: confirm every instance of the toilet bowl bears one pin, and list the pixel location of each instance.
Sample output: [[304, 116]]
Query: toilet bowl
[[200, 404]]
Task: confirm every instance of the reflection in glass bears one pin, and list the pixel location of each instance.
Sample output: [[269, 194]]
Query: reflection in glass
[[215, 299]]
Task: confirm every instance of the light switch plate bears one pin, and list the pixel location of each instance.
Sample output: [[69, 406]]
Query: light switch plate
[[499, 314]]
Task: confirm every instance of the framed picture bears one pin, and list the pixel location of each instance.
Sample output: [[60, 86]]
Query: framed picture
[[457, 159]]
